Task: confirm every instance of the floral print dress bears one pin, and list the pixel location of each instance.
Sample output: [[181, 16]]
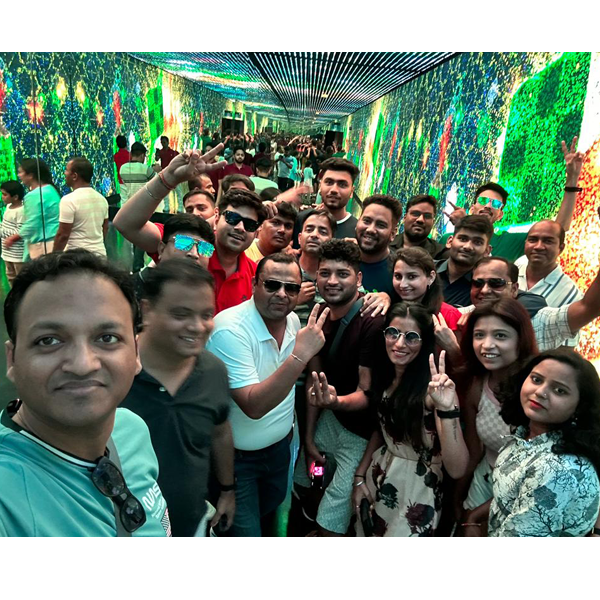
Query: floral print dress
[[539, 493], [406, 485]]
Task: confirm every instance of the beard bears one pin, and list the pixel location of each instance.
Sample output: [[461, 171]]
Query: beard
[[415, 238]]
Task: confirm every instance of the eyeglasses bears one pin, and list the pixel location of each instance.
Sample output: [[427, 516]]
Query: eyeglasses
[[417, 213], [272, 286], [185, 243], [496, 283], [233, 218], [110, 482], [484, 201], [412, 338]]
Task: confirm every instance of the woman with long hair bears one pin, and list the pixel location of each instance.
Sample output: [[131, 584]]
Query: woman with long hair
[[41, 208], [546, 477], [400, 474], [497, 339]]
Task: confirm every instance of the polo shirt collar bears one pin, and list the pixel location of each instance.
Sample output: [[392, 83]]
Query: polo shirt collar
[[260, 327], [550, 279]]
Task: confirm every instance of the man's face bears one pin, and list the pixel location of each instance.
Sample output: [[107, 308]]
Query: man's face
[[315, 232], [205, 184], [468, 246], [275, 234], [275, 306], [168, 250], [75, 355], [337, 282], [199, 205], [239, 156], [234, 238], [418, 221], [336, 189], [375, 229], [181, 319], [164, 143], [542, 246], [70, 176], [484, 205], [489, 277]]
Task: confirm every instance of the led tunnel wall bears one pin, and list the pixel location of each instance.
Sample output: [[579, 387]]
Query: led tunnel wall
[[492, 116], [79, 102]]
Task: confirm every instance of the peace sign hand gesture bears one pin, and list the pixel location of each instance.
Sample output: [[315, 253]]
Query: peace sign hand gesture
[[311, 339], [321, 394], [190, 164], [573, 162], [441, 388]]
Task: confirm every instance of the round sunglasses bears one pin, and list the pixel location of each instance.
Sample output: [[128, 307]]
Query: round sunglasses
[[411, 338]]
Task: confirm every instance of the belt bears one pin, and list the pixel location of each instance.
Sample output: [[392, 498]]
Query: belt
[[287, 438]]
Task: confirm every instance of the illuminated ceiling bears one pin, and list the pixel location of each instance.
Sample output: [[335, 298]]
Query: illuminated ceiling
[[306, 89]]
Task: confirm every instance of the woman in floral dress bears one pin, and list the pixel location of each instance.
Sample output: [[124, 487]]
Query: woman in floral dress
[[401, 471]]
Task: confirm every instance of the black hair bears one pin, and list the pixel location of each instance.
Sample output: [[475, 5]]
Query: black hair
[[54, 265], [239, 148], [418, 258], [492, 187], [83, 167], [402, 413], [262, 147], [121, 141], [164, 137], [187, 223], [477, 223], [263, 164], [30, 166], [229, 180], [269, 194], [513, 270], [388, 202], [287, 211], [339, 164], [581, 435], [419, 200], [321, 213], [175, 270], [138, 148], [235, 198], [341, 251], [13, 188], [278, 257], [195, 192]]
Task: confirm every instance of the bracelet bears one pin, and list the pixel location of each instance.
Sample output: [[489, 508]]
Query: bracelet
[[227, 488], [298, 359], [359, 476], [151, 194], [359, 483], [569, 188], [448, 414], [163, 181], [470, 524]]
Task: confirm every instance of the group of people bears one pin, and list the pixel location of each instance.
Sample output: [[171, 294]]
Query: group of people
[[392, 384]]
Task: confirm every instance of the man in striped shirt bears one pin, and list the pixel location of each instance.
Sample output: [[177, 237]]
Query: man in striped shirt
[[539, 271]]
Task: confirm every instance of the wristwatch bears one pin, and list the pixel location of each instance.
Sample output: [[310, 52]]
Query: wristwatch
[[448, 414]]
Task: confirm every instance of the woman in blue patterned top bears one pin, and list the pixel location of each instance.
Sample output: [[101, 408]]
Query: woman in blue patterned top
[[546, 476]]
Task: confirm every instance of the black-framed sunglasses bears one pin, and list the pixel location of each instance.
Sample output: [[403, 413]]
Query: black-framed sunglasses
[[411, 338], [273, 285], [496, 283], [233, 218], [110, 482]]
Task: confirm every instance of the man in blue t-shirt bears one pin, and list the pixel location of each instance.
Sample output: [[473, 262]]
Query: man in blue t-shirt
[[71, 463]]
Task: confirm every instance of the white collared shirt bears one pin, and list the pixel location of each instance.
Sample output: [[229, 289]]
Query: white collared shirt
[[243, 342]]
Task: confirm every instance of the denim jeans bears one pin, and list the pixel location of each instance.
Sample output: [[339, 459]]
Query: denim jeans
[[261, 486]]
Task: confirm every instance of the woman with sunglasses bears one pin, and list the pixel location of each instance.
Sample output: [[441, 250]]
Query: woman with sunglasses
[[546, 477], [498, 338], [414, 279], [400, 474]]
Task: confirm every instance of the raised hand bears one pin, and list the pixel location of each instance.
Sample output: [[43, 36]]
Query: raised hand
[[573, 162], [441, 388], [322, 395], [457, 213], [190, 164], [311, 339], [444, 336], [308, 289]]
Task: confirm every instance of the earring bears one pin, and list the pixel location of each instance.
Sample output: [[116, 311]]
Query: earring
[[573, 422]]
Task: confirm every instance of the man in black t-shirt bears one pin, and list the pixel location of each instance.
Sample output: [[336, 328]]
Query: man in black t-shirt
[[182, 393], [343, 429]]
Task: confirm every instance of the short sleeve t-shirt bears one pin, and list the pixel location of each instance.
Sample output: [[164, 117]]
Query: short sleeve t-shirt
[[181, 428], [86, 210], [377, 277], [12, 221], [48, 493]]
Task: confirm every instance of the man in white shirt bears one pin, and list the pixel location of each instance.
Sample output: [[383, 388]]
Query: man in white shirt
[[83, 218], [265, 351], [135, 174], [539, 271]]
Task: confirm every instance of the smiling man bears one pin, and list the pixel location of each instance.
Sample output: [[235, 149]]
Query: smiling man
[[71, 463]]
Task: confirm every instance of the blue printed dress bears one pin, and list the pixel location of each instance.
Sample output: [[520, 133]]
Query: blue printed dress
[[538, 493]]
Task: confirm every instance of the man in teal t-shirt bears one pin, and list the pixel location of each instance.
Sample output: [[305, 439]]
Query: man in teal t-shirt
[[71, 464]]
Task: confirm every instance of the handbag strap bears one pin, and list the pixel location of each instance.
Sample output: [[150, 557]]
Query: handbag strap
[[340, 332], [114, 456]]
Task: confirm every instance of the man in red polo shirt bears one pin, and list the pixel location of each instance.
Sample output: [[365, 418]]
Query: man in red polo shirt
[[238, 216], [165, 154], [237, 166]]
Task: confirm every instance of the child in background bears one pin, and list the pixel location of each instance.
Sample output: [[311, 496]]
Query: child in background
[[309, 176], [12, 243]]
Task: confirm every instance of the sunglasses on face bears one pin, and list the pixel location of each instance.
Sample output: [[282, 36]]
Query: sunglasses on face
[[272, 286], [496, 283], [109, 481], [411, 338], [484, 201], [233, 218], [185, 243]]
